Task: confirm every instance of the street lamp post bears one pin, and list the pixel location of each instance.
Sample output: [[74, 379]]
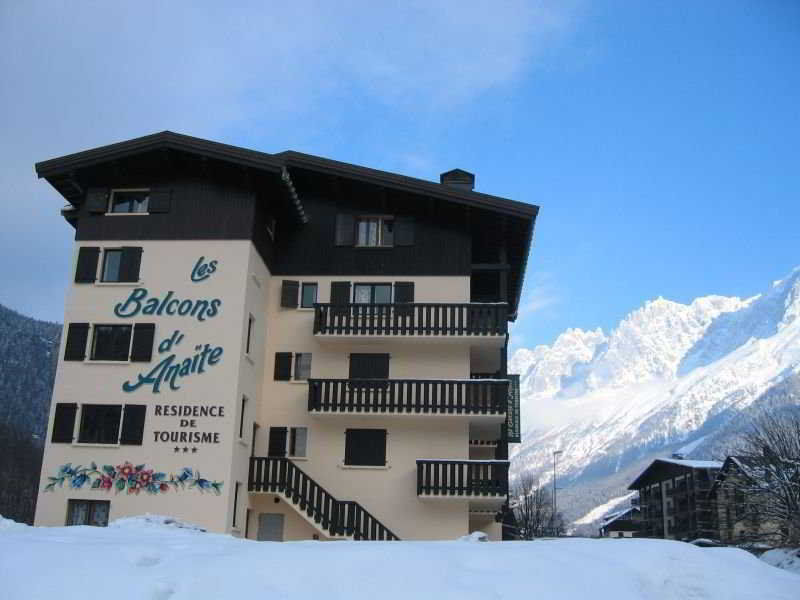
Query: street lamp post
[[555, 504]]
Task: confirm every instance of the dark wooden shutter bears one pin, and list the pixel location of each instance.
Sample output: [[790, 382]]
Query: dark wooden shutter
[[133, 425], [340, 297], [404, 231], [75, 348], [159, 201], [86, 270], [97, 200], [129, 264], [369, 366], [283, 366], [289, 291], [340, 292], [365, 447], [277, 441], [345, 230], [142, 348], [64, 423], [404, 294]]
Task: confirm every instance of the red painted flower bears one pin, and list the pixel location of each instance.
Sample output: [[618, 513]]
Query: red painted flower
[[125, 470], [145, 477], [164, 487], [106, 482]]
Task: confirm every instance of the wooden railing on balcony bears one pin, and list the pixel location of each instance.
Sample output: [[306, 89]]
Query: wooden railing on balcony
[[474, 478], [409, 396], [337, 517], [411, 319]]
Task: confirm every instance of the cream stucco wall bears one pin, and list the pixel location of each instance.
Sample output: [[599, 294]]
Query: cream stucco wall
[[388, 493], [165, 267], [244, 285]]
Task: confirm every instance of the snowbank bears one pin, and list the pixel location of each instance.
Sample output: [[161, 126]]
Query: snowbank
[[783, 558], [152, 561], [147, 520]]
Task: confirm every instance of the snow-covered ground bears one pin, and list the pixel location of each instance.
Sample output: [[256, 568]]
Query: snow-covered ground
[[152, 560], [784, 558]]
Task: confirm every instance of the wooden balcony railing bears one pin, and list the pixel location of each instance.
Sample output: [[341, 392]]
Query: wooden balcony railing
[[337, 517], [409, 396], [411, 319], [473, 478]]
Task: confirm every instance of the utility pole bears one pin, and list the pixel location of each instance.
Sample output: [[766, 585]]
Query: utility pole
[[555, 504]]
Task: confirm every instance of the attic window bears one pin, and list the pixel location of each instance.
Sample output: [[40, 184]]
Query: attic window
[[129, 201], [375, 231]]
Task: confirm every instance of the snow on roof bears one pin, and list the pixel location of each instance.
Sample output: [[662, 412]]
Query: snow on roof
[[694, 464]]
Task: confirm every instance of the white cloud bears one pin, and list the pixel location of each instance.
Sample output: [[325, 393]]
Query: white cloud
[[82, 74]]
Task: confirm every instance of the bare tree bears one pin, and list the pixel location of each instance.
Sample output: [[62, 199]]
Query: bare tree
[[764, 492], [532, 507]]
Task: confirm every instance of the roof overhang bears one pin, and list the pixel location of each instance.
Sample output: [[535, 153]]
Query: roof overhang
[[163, 140]]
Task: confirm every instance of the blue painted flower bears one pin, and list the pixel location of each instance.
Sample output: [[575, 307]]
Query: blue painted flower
[[79, 480]]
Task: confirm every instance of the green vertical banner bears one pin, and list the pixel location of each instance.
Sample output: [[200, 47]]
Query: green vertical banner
[[512, 416]]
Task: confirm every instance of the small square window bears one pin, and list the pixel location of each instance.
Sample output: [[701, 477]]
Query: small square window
[[111, 342], [100, 424], [129, 201], [375, 231], [308, 295], [112, 261], [365, 447], [88, 512], [302, 366]]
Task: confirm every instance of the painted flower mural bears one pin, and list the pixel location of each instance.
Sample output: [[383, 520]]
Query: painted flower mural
[[130, 478]]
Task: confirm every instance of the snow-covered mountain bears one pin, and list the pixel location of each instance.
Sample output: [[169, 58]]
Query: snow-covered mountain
[[671, 376]]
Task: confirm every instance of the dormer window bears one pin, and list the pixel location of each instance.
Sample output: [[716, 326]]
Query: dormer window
[[129, 201], [375, 231]]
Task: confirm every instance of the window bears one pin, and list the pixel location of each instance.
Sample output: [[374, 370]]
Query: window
[[372, 293], [302, 366], [309, 295], [288, 441], [298, 439], [111, 264], [64, 423], [250, 322], [129, 201], [241, 417], [111, 342], [99, 424], [88, 512], [365, 447], [121, 265], [375, 231], [235, 502]]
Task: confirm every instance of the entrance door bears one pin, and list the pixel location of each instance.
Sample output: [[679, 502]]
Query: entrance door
[[270, 527]]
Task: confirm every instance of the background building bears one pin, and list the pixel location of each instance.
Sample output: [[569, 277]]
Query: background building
[[674, 498]]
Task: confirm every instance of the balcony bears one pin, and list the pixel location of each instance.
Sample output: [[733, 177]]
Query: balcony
[[476, 480], [484, 322], [466, 397]]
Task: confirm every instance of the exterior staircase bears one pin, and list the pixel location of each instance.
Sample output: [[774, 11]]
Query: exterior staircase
[[338, 519]]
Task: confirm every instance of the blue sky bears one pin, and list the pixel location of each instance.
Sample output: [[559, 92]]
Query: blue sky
[[659, 138]]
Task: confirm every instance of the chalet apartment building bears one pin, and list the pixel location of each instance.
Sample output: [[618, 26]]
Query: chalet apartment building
[[282, 346], [674, 498]]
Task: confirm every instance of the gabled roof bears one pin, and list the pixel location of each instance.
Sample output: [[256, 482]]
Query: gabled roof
[[402, 182], [157, 141], [276, 163], [648, 475], [620, 514]]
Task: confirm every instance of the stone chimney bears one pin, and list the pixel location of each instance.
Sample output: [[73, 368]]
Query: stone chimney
[[458, 178]]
